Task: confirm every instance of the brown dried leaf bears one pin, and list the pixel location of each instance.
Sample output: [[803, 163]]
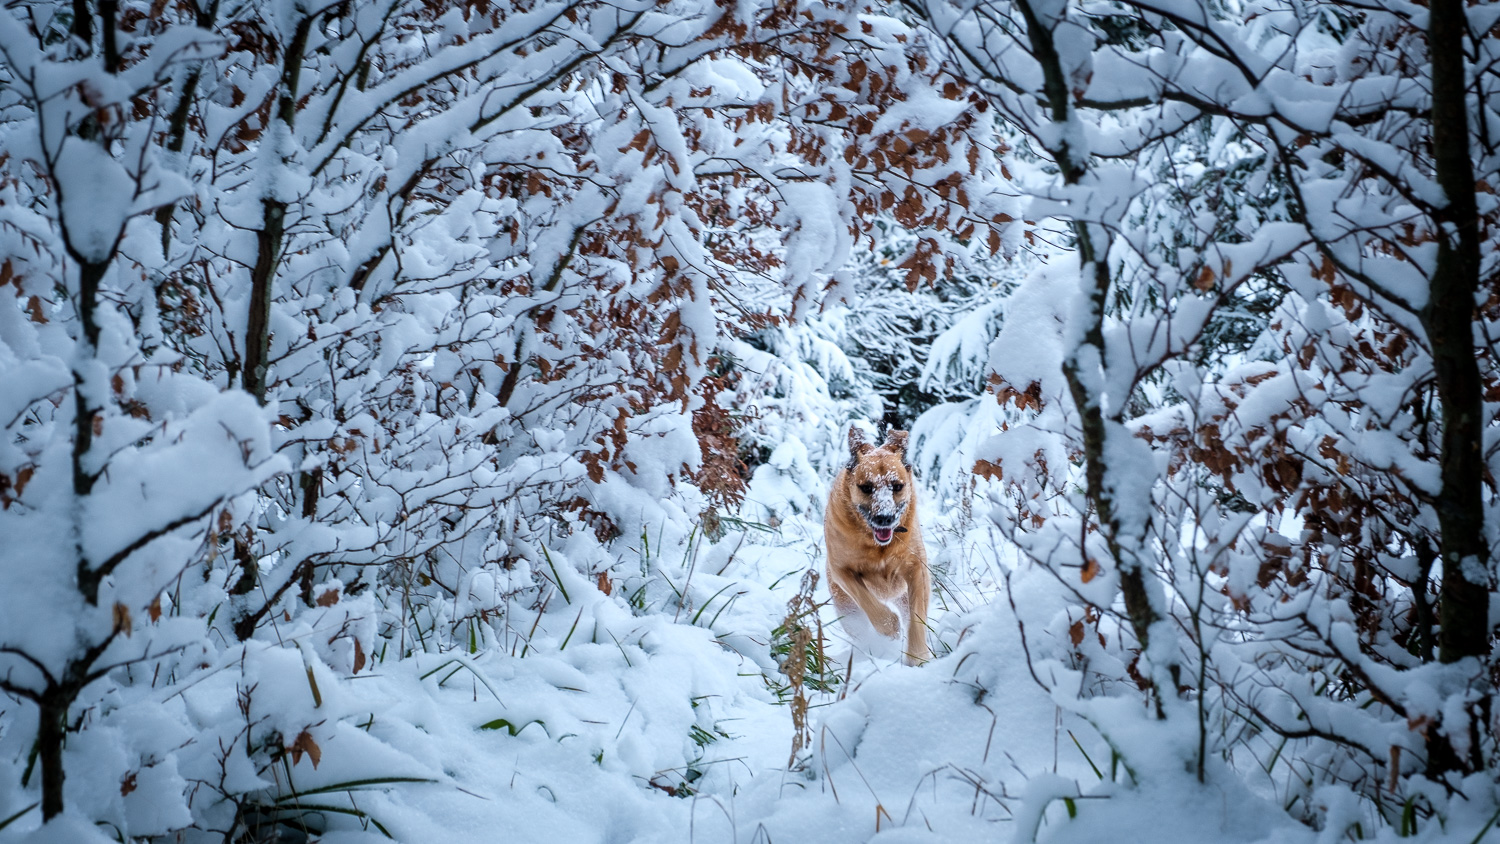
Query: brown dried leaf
[[23, 477], [638, 142], [990, 471], [1090, 570], [121, 619], [1325, 271], [305, 744], [359, 655], [1205, 280], [329, 598]]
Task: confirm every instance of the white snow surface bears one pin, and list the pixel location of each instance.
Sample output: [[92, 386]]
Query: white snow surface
[[660, 726]]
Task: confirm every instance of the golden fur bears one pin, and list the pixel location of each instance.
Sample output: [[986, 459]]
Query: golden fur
[[874, 498]]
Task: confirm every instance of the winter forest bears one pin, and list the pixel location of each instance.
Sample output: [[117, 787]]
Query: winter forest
[[418, 417]]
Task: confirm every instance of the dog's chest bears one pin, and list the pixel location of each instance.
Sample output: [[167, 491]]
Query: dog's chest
[[885, 574]]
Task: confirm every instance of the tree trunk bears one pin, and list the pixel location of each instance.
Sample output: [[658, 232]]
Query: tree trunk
[[272, 231], [50, 735], [1448, 318], [1463, 611], [1090, 352], [262, 282]]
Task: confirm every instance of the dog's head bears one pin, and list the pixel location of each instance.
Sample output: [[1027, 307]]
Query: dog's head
[[880, 483]]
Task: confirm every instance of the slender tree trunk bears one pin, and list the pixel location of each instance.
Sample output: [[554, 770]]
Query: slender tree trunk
[[89, 275], [262, 284], [272, 231], [83, 22], [176, 137], [1089, 354], [1448, 318], [51, 732], [108, 10], [554, 278], [1463, 611]]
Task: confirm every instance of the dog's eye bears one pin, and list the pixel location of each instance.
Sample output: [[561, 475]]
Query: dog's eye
[[867, 489], [897, 487]]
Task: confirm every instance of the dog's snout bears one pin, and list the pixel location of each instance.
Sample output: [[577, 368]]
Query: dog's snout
[[883, 520]]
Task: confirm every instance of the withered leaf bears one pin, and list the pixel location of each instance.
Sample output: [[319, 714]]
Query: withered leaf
[[1090, 570], [305, 744], [121, 619]]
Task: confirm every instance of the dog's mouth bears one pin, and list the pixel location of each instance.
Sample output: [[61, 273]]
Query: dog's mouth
[[884, 535]]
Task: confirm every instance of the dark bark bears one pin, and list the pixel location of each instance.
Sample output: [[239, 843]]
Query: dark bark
[[89, 275], [269, 241], [262, 283], [1095, 427], [1448, 318], [312, 489], [51, 732], [244, 555], [554, 278], [83, 22], [176, 137], [177, 132], [108, 9], [1425, 621]]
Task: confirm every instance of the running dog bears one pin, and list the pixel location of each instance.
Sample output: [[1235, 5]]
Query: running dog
[[875, 552]]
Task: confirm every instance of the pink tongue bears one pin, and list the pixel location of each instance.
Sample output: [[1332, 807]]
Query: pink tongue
[[884, 534]]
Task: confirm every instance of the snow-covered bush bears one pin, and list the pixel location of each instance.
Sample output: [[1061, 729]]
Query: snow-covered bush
[[404, 396], [346, 334], [1250, 410]]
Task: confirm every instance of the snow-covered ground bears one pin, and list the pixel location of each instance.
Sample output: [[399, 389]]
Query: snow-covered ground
[[663, 726], [638, 717]]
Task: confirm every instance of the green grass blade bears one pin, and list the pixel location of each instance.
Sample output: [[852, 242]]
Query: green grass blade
[[349, 785], [17, 816], [1098, 773], [699, 614]]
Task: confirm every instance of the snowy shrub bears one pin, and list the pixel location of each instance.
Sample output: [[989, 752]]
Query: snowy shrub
[[1250, 409], [419, 412], [350, 336]]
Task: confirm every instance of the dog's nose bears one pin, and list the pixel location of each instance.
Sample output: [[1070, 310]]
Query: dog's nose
[[882, 521]]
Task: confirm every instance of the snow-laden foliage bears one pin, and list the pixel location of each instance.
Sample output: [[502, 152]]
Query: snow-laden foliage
[[343, 333], [1258, 433], [417, 417]]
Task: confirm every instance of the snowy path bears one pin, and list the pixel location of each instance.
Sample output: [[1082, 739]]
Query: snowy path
[[626, 720], [938, 752]]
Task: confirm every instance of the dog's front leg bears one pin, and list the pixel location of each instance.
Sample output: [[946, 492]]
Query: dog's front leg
[[886, 622], [918, 596]]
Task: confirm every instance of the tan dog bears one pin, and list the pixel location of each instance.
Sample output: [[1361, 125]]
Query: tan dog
[[875, 551]]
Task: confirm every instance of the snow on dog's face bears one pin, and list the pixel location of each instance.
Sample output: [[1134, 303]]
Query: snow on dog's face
[[880, 483]]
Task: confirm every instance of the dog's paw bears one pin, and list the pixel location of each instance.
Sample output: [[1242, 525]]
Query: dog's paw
[[888, 625]]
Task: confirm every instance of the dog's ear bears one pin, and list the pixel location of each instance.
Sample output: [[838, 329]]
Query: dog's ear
[[896, 441], [857, 445]]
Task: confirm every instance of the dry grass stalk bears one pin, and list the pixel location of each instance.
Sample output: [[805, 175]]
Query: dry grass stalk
[[805, 631]]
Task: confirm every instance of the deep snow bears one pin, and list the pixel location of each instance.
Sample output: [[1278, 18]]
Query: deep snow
[[642, 722]]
